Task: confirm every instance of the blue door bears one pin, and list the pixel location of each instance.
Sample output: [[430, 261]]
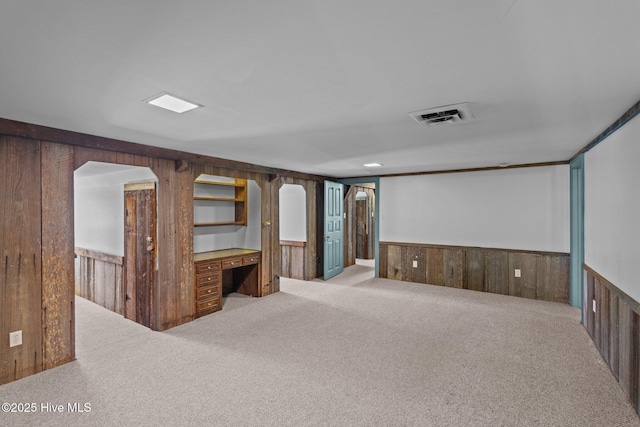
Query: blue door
[[333, 229]]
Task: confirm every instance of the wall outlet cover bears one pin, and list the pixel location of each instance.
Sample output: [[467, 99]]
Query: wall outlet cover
[[415, 264], [518, 272], [15, 338]]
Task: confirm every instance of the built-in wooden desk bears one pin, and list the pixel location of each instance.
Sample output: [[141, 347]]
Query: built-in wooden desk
[[218, 273]]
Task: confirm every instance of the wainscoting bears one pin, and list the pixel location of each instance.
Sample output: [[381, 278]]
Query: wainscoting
[[611, 318], [99, 278], [293, 256], [543, 275]]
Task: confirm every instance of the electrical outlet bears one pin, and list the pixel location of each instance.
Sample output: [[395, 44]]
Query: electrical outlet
[[415, 264], [15, 338], [594, 306], [518, 272]]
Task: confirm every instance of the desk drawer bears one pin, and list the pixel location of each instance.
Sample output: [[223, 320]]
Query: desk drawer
[[207, 291], [212, 304], [251, 259], [231, 263], [204, 267], [207, 279]]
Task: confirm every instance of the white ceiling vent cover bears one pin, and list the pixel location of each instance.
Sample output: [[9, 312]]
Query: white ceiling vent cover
[[449, 114]]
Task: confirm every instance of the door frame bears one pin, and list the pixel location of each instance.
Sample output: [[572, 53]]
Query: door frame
[[376, 244]]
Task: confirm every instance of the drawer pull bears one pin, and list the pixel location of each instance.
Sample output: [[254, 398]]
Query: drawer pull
[[209, 267]]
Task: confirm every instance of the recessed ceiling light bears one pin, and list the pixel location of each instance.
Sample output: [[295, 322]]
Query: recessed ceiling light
[[171, 103], [372, 165]]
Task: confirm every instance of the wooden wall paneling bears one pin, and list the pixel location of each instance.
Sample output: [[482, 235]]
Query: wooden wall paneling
[[597, 289], [311, 253], [82, 155], [297, 262], [350, 237], [474, 270], [589, 314], [605, 327], [435, 266], [394, 262], [58, 314], [628, 357], [275, 236], [524, 286], [21, 278], [183, 247], [319, 228], [99, 279], [168, 285], [285, 267], [453, 267], [362, 236], [552, 278], [614, 333], [383, 261], [409, 273], [497, 272]]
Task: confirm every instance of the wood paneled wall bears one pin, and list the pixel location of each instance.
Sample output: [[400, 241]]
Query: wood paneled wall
[[37, 235], [544, 275], [612, 319], [351, 223], [293, 259], [99, 278], [301, 261]]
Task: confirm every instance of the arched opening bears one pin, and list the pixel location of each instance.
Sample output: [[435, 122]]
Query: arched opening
[[293, 230], [115, 229]]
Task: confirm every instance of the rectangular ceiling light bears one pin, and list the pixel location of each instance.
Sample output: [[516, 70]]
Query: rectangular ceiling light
[[372, 165], [172, 103]]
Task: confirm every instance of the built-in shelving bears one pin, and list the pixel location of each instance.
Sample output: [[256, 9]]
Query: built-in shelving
[[239, 201]]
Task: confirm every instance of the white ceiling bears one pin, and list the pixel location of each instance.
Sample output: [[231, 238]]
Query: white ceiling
[[325, 86]]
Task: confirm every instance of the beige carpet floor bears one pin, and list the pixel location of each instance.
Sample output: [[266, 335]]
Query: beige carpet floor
[[352, 351]]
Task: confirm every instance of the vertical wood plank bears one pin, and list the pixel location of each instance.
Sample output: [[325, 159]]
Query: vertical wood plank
[[524, 286], [552, 278], [394, 262], [435, 266], [21, 278], [474, 270], [82, 155], [453, 268], [614, 334], [589, 314], [297, 262], [605, 327], [416, 274], [497, 272], [597, 288], [310, 263], [58, 344], [628, 360], [383, 261]]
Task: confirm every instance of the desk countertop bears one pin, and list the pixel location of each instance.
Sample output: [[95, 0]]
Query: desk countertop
[[225, 253]]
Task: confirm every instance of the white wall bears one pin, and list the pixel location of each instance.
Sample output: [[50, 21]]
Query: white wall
[[99, 204], [293, 213], [523, 208], [231, 236], [612, 208]]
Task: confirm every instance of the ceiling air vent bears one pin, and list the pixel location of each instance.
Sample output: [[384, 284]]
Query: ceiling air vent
[[440, 115]]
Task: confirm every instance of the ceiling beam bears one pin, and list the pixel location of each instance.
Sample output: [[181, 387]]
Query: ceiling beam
[[44, 133]]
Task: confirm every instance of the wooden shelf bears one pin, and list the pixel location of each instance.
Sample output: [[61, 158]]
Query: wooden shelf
[[218, 199], [214, 224], [221, 183], [238, 201]]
